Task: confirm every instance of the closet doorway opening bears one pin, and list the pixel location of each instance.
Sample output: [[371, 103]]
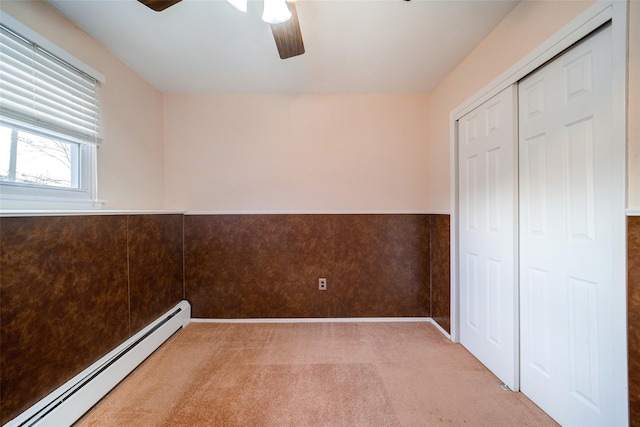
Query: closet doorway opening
[[538, 227]]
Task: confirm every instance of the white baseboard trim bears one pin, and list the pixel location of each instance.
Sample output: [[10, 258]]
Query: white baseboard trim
[[329, 212], [318, 320], [441, 329], [69, 402]]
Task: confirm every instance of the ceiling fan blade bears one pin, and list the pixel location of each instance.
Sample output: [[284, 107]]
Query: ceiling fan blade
[[288, 36], [159, 5]]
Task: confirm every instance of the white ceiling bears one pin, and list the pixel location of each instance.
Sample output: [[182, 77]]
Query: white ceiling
[[352, 46]]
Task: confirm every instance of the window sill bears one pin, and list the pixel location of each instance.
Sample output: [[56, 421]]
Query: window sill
[[15, 202]]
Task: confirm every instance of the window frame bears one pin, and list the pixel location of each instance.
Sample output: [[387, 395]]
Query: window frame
[[17, 195], [24, 196]]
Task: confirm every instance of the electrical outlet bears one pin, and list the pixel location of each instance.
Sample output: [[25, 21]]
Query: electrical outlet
[[322, 284]]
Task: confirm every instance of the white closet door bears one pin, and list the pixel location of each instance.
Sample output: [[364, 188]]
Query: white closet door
[[567, 207], [487, 238]]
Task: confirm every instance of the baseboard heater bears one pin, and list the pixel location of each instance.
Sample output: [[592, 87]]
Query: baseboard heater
[[69, 402]]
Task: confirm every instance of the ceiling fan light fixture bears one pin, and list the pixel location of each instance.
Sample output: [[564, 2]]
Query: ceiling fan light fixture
[[275, 11], [241, 5]]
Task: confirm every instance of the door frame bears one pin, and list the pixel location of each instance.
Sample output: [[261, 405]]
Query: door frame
[[600, 13]]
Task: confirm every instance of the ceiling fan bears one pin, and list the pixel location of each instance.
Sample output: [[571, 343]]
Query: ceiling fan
[[286, 34]]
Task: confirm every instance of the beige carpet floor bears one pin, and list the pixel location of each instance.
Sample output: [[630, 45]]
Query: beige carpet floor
[[312, 374]]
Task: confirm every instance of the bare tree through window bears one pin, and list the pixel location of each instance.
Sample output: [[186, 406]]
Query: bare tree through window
[[33, 159]]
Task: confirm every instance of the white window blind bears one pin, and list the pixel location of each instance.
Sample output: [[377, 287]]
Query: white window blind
[[39, 91]]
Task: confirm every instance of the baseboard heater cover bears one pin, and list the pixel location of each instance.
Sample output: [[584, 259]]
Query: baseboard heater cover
[[72, 400]]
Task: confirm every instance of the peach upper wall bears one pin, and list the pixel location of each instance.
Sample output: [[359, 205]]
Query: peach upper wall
[[322, 152], [130, 162], [311, 153], [528, 25]]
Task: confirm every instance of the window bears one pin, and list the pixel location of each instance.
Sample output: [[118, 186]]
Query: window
[[43, 161], [49, 128]]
